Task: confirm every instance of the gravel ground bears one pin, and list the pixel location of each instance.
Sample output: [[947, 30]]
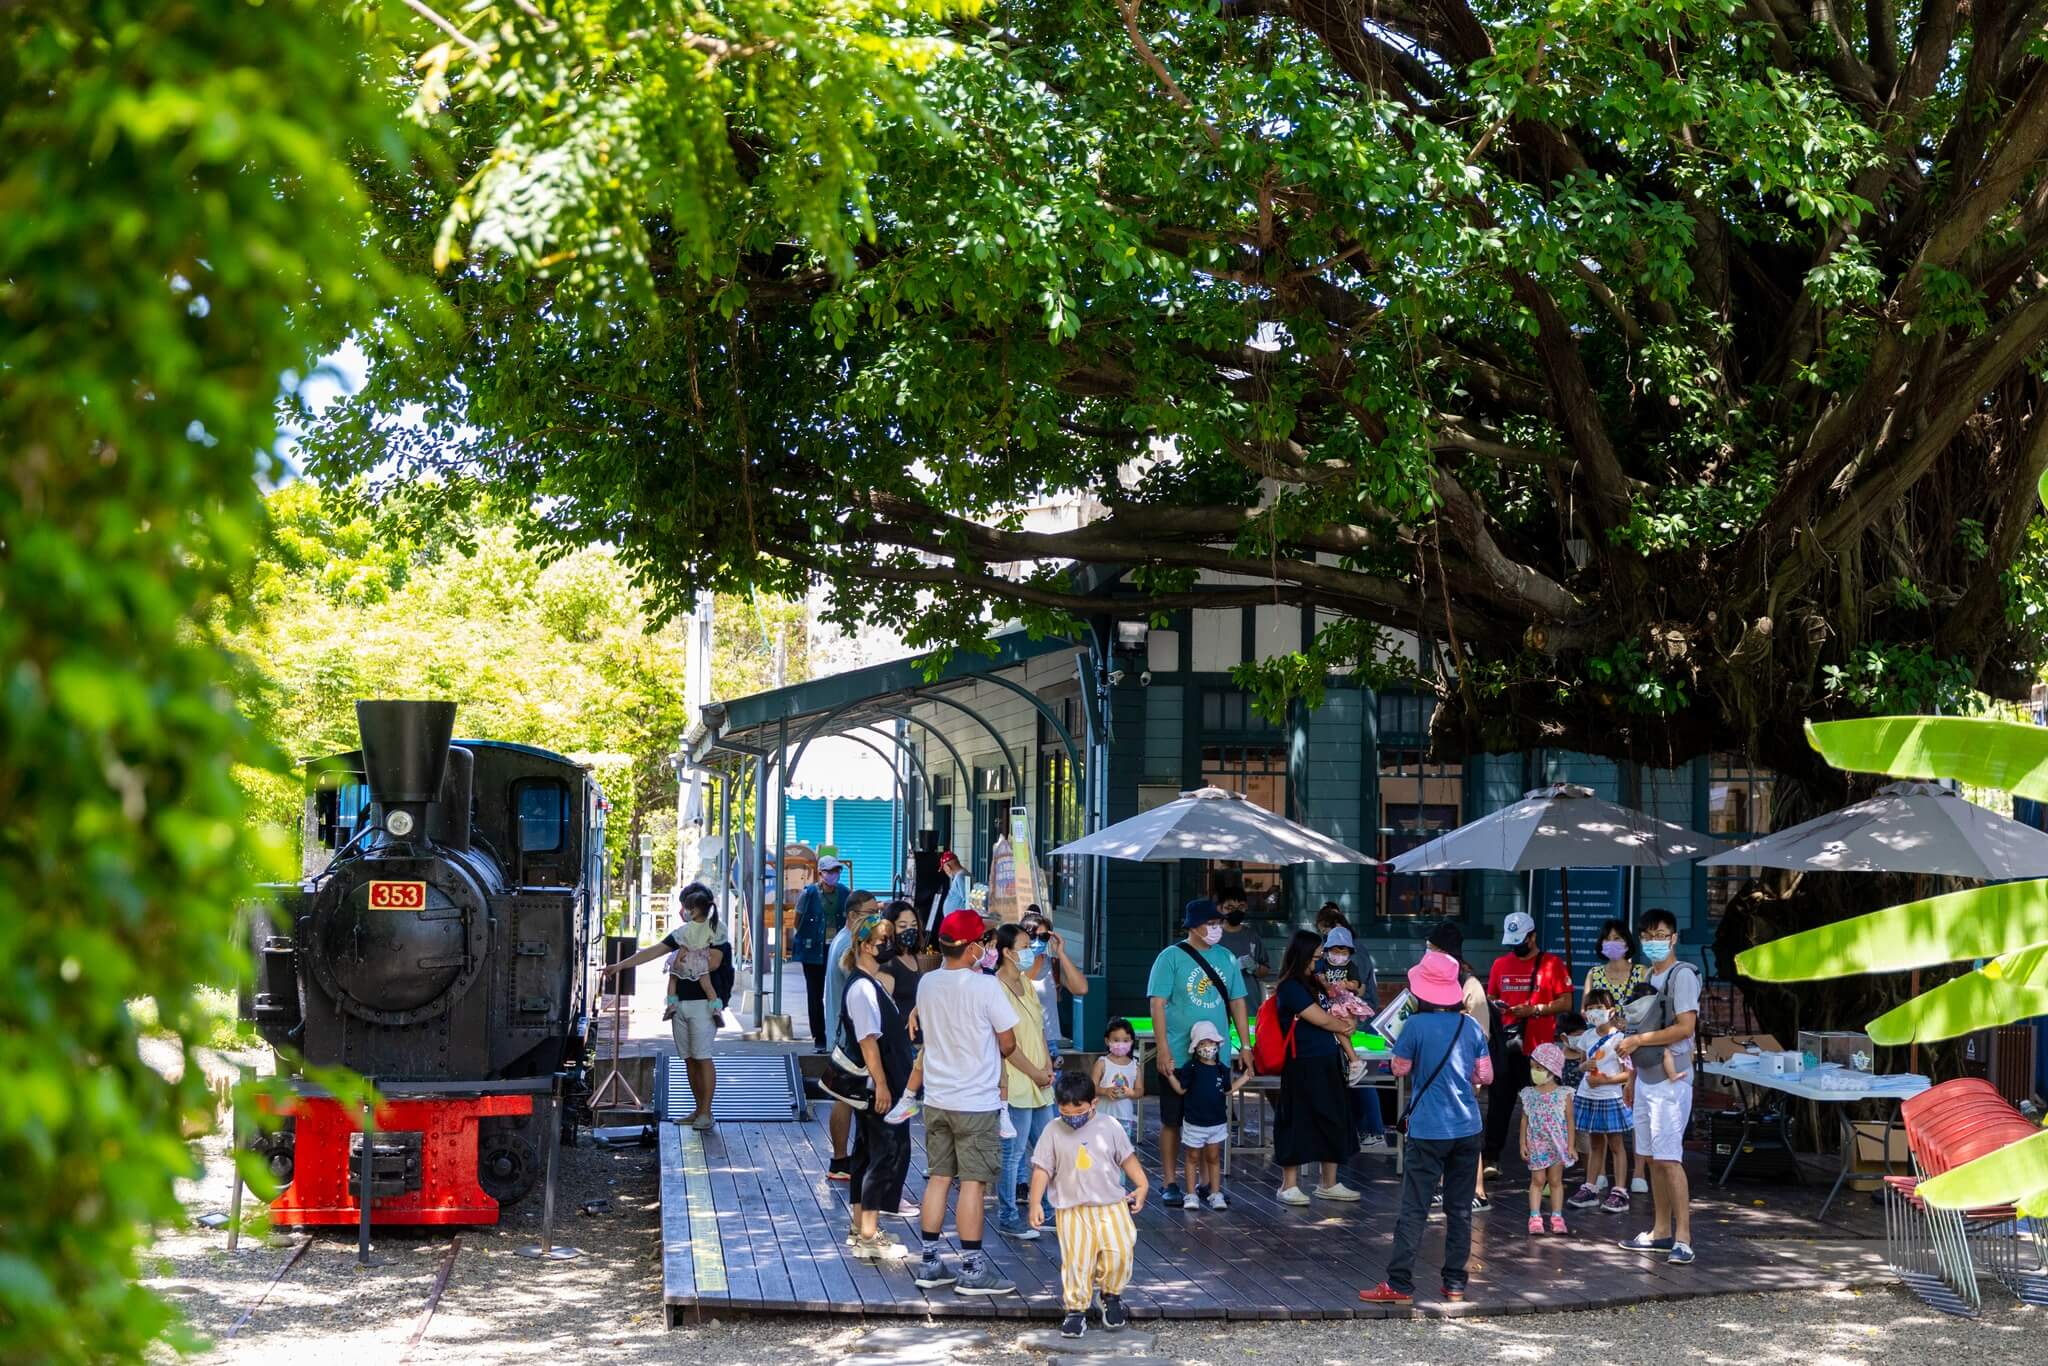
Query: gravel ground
[[500, 1308]]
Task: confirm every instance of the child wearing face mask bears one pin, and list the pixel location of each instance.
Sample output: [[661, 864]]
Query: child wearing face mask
[[1082, 1161], [1547, 1138], [1205, 1117], [1119, 1083], [1601, 1110]]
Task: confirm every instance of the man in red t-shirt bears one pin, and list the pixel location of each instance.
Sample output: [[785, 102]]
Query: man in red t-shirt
[[1529, 990]]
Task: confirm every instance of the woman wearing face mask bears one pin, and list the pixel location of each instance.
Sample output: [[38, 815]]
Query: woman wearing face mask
[[1621, 973], [1027, 1075], [871, 1021]]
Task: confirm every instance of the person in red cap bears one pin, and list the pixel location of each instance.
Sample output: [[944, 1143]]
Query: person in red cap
[[1443, 1055], [967, 1026], [959, 884]]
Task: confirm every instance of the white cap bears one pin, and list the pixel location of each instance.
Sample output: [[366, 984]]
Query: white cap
[[1204, 1032], [1520, 925], [828, 864]]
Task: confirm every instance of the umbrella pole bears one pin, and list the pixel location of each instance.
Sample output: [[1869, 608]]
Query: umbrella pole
[[1564, 911]]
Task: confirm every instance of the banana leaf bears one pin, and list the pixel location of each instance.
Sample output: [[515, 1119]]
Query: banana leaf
[[2015, 1173], [2004, 991], [1982, 753], [1983, 922]]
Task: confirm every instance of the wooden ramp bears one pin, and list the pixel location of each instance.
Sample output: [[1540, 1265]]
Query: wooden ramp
[[749, 1222]]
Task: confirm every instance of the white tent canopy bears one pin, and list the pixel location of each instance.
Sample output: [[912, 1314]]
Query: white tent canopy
[[1213, 824], [1562, 826], [1906, 827]]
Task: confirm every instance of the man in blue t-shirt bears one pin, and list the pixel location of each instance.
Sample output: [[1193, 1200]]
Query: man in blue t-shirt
[[1183, 988], [1442, 1054]]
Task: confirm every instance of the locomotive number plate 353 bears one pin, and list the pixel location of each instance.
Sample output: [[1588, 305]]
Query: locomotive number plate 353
[[398, 896]]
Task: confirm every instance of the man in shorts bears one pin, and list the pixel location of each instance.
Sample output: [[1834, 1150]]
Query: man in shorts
[[1660, 1044], [967, 1027], [1192, 979]]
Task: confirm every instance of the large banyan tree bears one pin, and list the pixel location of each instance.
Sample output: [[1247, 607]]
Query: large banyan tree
[[1675, 366]]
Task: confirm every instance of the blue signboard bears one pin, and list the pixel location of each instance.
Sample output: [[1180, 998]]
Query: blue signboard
[[1597, 896]]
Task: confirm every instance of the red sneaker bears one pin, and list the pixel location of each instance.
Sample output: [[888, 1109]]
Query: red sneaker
[[1386, 1294], [1453, 1295]]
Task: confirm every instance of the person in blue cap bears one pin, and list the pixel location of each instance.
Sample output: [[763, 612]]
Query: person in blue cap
[[1192, 979]]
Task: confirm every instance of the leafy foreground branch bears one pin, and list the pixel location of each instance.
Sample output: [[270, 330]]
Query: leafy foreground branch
[[1676, 366]]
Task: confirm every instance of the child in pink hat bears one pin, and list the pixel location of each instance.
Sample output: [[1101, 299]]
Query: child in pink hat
[[1547, 1138]]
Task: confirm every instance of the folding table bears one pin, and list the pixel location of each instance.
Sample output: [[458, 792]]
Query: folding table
[[1807, 1085]]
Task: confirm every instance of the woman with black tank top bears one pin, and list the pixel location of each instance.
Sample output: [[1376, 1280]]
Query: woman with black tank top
[[871, 1022]]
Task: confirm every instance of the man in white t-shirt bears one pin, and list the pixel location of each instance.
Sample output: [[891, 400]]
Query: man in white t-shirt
[[1660, 1046], [967, 1026]]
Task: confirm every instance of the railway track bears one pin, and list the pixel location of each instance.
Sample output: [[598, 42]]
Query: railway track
[[425, 1318]]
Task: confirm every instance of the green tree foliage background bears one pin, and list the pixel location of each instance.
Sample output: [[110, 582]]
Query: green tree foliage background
[[346, 602]]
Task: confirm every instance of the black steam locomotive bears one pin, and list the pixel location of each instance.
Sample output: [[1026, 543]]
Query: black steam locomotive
[[439, 943]]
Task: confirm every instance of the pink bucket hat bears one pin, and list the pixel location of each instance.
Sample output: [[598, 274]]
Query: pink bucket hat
[[1549, 1057], [1434, 980]]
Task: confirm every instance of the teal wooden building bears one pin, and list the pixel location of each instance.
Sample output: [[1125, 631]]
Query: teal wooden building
[[1076, 734]]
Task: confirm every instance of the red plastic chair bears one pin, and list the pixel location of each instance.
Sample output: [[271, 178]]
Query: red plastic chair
[[1938, 1252]]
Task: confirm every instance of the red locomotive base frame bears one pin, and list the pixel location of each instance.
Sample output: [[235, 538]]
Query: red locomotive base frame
[[448, 1193]]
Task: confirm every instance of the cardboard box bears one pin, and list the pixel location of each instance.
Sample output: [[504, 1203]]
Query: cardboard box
[[1840, 1046], [1720, 1049], [1783, 1064], [1875, 1141]]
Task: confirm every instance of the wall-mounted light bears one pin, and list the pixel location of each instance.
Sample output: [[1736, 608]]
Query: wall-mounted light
[[1131, 635]]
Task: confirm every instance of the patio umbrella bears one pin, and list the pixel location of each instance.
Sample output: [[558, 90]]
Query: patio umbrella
[[1907, 827], [1562, 826], [1213, 824]]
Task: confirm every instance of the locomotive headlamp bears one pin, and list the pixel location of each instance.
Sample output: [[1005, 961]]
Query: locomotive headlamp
[[399, 823]]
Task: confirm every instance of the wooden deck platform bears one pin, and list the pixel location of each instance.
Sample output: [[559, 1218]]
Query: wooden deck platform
[[749, 1222]]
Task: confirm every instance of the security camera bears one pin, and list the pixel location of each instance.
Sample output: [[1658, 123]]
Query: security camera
[[1116, 677], [1145, 679]]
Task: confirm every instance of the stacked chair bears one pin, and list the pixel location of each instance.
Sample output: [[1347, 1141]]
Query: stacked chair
[[1939, 1254]]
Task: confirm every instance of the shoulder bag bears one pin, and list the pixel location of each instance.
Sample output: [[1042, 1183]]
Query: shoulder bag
[[1458, 1037]]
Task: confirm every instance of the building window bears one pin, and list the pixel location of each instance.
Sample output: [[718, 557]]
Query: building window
[[1232, 712], [1419, 800], [1059, 802], [1260, 772], [993, 781], [1739, 809]]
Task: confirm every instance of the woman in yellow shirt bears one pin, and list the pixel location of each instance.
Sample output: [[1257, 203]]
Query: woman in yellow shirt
[[1027, 1080]]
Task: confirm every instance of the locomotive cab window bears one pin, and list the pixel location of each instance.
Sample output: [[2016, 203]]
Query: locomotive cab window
[[543, 812]]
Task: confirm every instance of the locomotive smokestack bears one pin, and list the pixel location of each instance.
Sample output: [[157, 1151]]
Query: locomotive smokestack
[[405, 758]]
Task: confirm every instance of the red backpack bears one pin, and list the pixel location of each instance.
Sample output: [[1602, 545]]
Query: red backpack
[[1270, 1048]]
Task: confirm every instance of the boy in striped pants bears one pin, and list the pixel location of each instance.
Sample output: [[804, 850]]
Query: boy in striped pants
[[1084, 1158]]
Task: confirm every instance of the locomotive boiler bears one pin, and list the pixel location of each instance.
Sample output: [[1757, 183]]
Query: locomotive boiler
[[438, 943]]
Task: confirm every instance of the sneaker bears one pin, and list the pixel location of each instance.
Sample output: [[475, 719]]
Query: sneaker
[[1436, 1202], [1339, 1192], [1639, 1187], [1617, 1202], [1356, 1077], [1114, 1315], [1293, 1196], [1681, 1254], [882, 1249], [909, 1209], [839, 1169], [1386, 1294], [1585, 1197], [1013, 1226], [855, 1240], [1073, 1325], [901, 1111], [1191, 1201], [1643, 1242], [1454, 1294], [1480, 1204], [1535, 1224], [1375, 1143], [1557, 1224], [983, 1280], [1492, 1169], [1171, 1195], [1218, 1200], [932, 1272]]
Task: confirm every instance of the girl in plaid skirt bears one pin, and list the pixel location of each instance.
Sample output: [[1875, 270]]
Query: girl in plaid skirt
[[1602, 1108]]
